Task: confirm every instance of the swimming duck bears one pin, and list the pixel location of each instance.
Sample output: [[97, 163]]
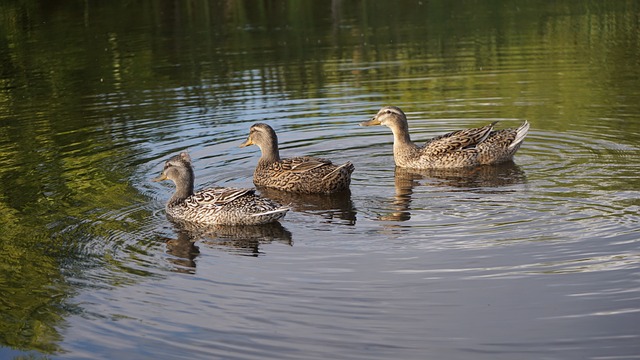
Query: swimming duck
[[217, 205], [305, 174], [458, 149]]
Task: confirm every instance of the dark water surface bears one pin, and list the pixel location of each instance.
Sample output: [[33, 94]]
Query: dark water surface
[[539, 259]]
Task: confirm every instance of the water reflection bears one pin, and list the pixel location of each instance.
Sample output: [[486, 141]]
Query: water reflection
[[333, 208], [473, 179], [241, 240], [183, 250]]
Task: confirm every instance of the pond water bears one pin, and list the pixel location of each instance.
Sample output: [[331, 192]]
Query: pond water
[[539, 259]]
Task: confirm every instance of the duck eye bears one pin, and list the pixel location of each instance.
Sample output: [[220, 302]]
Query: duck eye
[[388, 111]]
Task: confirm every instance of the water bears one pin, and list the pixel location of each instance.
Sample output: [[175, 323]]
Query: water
[[538, 259]]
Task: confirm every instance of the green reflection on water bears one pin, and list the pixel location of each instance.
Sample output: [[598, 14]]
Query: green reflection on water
[[42, 199], [60, 145], [57, 172]]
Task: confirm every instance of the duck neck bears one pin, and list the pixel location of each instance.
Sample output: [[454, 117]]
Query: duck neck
[[401, 138], [270, 153], [184, 187]]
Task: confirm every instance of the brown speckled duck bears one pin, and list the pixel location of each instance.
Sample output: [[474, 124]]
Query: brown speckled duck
[[217, 205], [305, 174], [458, 149]]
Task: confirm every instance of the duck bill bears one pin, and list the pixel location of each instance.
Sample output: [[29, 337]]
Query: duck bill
[[371, 122], [246, 143], [162, 177]]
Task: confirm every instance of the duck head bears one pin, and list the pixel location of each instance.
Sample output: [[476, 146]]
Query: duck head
[[260, 134], [179, 170], [389, 116]]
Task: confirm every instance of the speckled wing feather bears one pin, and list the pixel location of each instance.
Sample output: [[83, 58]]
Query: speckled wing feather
[[215, 198], [304, 175], [303, 164], [501, 145], [500, 139], [457, 140]]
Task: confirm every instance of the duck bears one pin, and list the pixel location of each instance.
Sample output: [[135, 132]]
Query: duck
[[215, 205], [303, 174], [458, 149]]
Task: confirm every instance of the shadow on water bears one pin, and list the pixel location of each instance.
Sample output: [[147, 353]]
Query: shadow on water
[[333, 208], [476, 179]]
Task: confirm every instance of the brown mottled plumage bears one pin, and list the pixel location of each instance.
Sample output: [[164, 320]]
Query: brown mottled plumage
[[306, 175], [214, 206], [458, 149]]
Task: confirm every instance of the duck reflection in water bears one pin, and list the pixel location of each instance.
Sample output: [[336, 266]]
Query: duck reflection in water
[[333, 208], [183, 251], [240, 240], [247, 240], [483, 179]]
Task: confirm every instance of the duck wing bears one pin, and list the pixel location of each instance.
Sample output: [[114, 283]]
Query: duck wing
[[214, 198], [458, 140], [303, 164]]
